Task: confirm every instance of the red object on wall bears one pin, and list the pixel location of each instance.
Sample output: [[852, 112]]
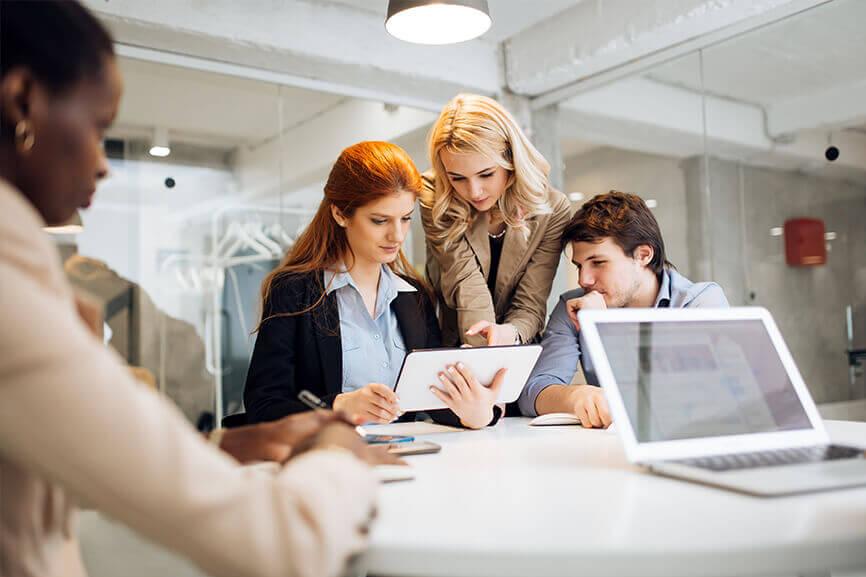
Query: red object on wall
[[804, 242]]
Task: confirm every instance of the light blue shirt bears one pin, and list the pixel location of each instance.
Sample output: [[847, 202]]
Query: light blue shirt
[[373, 348], [561, 342]]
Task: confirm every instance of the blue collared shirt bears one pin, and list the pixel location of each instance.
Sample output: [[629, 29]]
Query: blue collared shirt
[[373, 348], [559, 360]]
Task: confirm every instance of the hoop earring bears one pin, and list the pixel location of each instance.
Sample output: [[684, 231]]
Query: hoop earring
[[24, 137]]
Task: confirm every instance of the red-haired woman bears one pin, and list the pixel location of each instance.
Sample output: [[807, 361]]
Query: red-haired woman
[[343, 308]]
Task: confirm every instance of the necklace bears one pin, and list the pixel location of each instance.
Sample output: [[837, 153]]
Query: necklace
[[498, 235]]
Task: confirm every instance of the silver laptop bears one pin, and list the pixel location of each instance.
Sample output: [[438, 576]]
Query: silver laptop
[[714, 396]]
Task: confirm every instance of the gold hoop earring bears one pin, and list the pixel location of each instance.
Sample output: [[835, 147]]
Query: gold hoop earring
[[24, 137]]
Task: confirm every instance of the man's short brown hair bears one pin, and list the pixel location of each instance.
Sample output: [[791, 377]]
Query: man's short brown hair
[[623, 217]]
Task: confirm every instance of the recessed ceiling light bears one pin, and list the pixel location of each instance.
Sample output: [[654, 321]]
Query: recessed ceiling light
[[829, 236], [437, 22], [575, 196], [777, 231], [651, 203]]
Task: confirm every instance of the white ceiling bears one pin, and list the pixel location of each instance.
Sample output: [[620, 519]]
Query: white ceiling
[[208, 108], [806, 53], [509, 16]]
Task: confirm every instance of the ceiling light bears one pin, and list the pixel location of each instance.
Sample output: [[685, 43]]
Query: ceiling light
[[777, 231], [71, 226], [437, 22], [830, 236], [651, 203], [159, 146]]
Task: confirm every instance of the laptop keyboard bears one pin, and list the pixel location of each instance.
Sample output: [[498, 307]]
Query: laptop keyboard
[[775, 458]]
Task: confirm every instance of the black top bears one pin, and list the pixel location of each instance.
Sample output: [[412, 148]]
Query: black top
[[304, 351], [495, 256]]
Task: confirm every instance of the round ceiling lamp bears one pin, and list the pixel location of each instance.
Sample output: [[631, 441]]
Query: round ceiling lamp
[[437, 22]]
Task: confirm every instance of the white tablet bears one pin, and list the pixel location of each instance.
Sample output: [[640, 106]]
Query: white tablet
[[422, 367]]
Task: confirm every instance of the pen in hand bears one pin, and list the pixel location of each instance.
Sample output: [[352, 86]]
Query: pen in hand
[[312, 401]]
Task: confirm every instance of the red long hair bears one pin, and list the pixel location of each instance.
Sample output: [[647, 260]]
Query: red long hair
[[363, 173]]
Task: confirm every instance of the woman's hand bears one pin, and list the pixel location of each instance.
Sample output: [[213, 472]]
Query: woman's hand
[[495, 334], [471, 401], [277, 440], [373, 403]]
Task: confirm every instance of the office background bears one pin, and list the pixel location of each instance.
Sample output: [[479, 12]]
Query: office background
[[724, 136]]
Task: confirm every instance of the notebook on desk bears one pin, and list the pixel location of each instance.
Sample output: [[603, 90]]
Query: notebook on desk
[[713, 395]]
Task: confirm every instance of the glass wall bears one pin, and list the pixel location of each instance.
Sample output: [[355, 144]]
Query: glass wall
[[175, 247], [794, 168], [727, 145], [741, 149]]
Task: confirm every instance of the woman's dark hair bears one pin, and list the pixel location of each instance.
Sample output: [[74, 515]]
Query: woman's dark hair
[[623, 217], [58, 40]]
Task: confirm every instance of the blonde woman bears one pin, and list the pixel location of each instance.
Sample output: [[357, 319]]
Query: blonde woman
[[493, 225]]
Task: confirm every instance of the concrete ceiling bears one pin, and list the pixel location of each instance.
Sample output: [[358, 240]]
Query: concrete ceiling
[[328, 58], [805, 54], [775, 96], [211, 109]]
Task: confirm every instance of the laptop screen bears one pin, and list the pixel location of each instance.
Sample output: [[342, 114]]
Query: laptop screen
[[691, 379]]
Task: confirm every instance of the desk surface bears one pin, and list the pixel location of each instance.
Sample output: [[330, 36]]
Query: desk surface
[[520, 501]]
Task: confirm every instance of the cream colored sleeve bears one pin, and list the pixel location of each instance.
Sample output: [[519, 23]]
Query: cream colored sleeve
[[70, 411]]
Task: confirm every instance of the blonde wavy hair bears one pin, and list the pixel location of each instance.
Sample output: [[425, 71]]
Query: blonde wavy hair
[[474, 123]]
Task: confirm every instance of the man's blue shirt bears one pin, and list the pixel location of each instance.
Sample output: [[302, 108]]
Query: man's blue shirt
[[559, 360]]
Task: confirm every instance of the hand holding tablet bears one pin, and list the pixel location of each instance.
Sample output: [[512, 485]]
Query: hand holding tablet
[[423, 368]]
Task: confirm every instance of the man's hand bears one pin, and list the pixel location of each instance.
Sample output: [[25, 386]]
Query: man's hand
[[373, 403], [590, 406], [495, 334], [277, 440], [591, 300]]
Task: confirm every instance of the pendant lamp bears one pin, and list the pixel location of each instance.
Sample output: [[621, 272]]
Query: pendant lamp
[[437, 21]]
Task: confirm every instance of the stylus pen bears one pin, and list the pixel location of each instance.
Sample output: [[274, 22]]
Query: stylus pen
[[315, 403]]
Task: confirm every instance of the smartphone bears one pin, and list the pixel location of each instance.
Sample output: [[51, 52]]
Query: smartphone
[[416, 448], [387, 439]]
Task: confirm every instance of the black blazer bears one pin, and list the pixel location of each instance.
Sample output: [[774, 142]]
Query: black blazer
[[304, 351]]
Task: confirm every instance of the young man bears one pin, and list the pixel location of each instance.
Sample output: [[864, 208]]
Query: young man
[[620, 257]]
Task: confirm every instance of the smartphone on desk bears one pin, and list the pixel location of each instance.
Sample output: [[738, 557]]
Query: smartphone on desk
[[416, 448], [387, 439]]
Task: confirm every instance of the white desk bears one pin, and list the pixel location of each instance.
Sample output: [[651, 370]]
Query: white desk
[[526, 501]]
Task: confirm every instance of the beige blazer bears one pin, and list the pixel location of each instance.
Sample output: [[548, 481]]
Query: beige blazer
[[75, 427], [526, 270]]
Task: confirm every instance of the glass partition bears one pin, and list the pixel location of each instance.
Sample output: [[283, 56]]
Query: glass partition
[[787, 169], [175, 247], [742, 149]]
